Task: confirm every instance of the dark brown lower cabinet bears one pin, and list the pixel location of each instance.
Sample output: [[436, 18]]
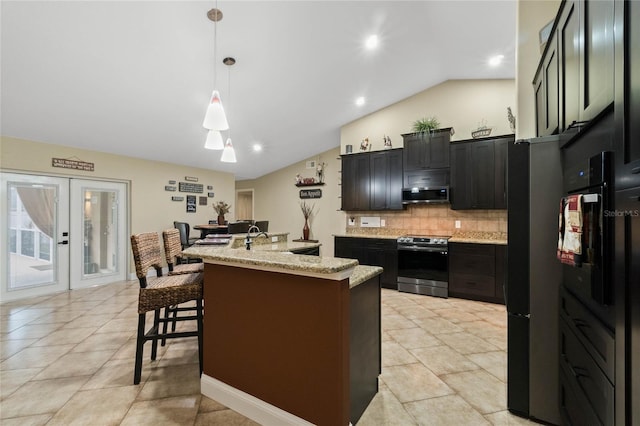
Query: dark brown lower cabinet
[[381, 252], [477, 271]]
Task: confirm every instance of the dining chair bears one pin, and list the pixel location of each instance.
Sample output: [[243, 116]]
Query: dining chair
[[239, 227], [158, 292], [184, 229], [263, 225]]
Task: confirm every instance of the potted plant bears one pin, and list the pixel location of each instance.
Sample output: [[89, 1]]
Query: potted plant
[[307, 210], [221, 209], [426, 125]]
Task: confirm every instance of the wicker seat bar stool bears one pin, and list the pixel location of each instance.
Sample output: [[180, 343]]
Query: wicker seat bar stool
[[161, 292], [172, 250]]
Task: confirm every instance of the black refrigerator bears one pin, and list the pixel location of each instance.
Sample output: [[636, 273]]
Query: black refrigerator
[[534, 276]]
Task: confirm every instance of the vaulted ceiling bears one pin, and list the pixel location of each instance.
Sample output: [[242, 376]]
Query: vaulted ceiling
[[134, 77]]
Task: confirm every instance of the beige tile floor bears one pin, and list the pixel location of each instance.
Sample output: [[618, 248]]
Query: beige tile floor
[[67, 359]]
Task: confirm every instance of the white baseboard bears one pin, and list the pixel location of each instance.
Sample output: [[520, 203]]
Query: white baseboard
[[248, 405]]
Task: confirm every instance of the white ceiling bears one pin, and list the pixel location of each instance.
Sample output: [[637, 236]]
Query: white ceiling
[[134, 77]]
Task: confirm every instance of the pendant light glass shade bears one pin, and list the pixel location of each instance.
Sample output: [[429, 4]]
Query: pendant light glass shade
[[214, 140], [228, 154], [215, 118]]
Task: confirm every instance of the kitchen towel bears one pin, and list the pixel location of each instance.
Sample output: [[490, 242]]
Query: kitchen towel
[[570, 230]]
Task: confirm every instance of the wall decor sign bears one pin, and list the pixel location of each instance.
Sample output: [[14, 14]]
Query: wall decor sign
[[190, 179], [169, 188], [191, 203], [209, 187], [211, 194], [191, 187], [310, 193], [172, 182], [202, 201], [72, 164], [174, 198]]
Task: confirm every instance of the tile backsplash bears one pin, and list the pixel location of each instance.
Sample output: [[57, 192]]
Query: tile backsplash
[[430, 219]]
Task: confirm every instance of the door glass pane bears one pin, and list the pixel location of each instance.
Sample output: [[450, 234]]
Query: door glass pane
[[100, 239], [32, 224]]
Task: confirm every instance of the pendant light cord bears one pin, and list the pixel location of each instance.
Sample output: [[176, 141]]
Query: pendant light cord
[[215, 45]]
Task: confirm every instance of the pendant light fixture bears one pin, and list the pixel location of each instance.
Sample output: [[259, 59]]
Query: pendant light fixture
[[214, 140], [228, 153], [215, 118]]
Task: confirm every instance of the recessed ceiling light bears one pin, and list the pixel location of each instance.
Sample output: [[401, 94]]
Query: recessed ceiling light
[[360, 101], [257, 147], [494, 61], [372, 42]]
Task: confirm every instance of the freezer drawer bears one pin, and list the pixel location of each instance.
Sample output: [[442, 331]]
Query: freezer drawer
[[582, 380]]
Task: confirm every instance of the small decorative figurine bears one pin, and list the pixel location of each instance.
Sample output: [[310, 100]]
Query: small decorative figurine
[[320, 171], [364, 145], [387, 142], [298, 178], [512, 120]]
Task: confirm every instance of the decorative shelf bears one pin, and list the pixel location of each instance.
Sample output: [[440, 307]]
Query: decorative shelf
[[310, 184]]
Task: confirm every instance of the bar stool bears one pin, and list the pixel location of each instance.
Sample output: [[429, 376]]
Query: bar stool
[[162, 292]]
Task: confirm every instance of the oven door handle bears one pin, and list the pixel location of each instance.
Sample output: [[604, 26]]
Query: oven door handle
[[423, 249]]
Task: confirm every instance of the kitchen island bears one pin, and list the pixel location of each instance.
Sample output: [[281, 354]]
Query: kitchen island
[[289, 339]]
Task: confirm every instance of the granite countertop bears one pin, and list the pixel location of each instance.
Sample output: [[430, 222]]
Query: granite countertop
[[274, 259], [363, 273], [479, 237]]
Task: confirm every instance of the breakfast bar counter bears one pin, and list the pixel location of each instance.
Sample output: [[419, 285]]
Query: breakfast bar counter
[[289, 339]]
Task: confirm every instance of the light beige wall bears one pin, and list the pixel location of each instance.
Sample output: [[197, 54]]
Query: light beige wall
[[151, 208], [532, 16], [461, 104], [276, 199]]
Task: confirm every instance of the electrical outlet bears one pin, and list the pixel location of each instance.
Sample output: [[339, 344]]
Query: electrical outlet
[[352, 221], [274, 239], [458, 224], [383, 222]]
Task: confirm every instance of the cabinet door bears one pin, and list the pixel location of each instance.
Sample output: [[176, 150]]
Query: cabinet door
[[500, 175], [415, 151], [596, 68], [627, 98], [547, 91], [439, 150], [569, 66], [355, 182], [379, 179], [482, 166], [386, 180], [394, 190], [460, 188]]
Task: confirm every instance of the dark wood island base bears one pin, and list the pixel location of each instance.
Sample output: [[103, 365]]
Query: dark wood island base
[[306, 345]]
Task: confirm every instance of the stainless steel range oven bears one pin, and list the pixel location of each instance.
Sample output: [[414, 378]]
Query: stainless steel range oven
[[423, 266]]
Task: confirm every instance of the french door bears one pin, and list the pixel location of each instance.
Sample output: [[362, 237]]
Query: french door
[[60, 233]]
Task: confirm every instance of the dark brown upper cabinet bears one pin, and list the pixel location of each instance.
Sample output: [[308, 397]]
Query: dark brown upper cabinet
[[428, 150], [574, 82], [372, 181], [478, 173], [627, 94]]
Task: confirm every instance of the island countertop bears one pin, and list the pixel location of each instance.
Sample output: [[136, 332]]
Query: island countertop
[[275, 257]]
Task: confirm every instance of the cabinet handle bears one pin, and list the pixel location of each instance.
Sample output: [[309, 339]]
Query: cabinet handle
[[635, 170], [580, 323]]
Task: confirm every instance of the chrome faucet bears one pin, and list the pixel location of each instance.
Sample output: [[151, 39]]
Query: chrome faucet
[[248, 241]]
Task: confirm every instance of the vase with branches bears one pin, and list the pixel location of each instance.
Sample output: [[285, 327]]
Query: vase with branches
[[221, 209], [307, 211]]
